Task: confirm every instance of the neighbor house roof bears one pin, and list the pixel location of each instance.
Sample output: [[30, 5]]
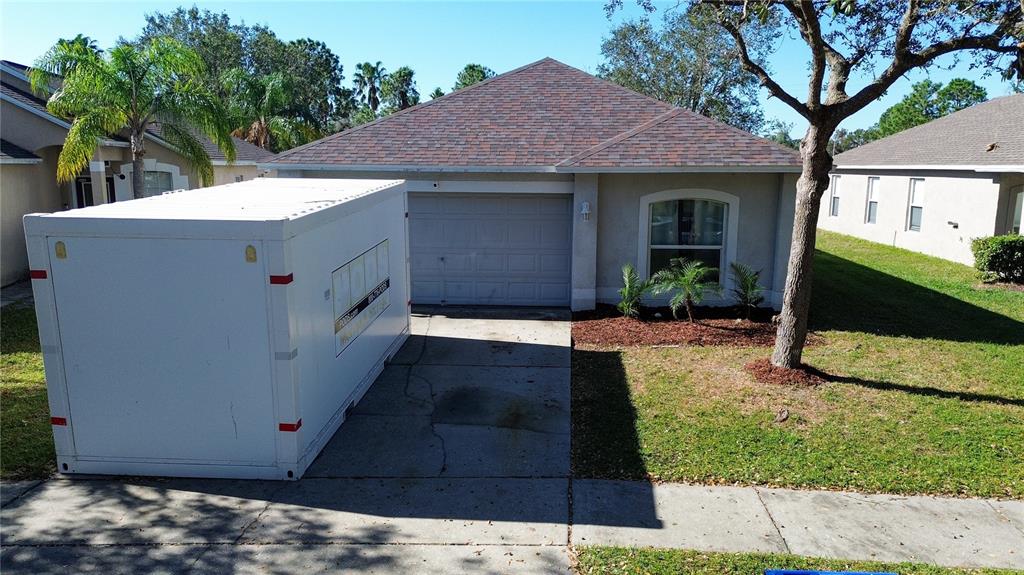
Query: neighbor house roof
[[245, 153], [545, 116], [12, 154], [988, 136]]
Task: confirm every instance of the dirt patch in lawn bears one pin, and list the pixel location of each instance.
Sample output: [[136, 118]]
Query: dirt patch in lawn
[[804, 376], [605, 326]]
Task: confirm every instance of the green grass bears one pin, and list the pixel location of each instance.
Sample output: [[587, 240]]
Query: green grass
[[26, 441], [622, 561], [927, 395]]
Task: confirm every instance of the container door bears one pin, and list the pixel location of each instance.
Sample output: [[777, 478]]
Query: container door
[[165, 347]]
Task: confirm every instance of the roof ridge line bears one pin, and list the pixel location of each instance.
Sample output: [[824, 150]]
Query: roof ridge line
[[619, 87], [659, 119], [419, 106]]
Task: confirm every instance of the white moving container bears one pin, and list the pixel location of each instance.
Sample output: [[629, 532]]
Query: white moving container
[[219, 332]]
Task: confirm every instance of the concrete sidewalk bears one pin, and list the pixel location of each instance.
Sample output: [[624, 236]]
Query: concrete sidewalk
[[942, 531]]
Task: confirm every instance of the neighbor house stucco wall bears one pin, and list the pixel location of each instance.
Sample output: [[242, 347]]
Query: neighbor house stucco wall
[[763, 223], [229, 173], [24, 189], [957, 207]]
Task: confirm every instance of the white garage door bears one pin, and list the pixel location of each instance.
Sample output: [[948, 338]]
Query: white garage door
[[490, 249]]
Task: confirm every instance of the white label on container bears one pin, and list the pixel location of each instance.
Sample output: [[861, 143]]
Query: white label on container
[[361, 294]]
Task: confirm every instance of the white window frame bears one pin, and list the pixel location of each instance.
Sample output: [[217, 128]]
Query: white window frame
[[833, 197], [871, 197], [730, 240], [915, 199]]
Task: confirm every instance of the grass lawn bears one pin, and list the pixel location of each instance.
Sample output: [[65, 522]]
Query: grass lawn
[[927, 394], [616, 561], [26, 442]]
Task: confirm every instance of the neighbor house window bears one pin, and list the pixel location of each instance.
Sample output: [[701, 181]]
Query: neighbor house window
[[871, 212], [833, 207], [1018, 210], [916, 204], [691, 229], [239, 178], [157, 183]]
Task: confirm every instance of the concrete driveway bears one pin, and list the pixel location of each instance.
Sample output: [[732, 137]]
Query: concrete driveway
[[456, 460]]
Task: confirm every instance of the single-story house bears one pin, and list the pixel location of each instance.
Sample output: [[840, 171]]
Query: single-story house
[[32, 139], [535, 187], [935, 187]]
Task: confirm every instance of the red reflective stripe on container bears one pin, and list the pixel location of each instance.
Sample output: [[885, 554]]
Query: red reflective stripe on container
[[37, 274], [290, 426], [58, 421], [281, 280]]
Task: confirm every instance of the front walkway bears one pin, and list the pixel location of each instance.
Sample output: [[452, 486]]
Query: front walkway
[[457, 460]]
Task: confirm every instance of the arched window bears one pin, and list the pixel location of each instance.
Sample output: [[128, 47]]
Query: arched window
[[691, 224]]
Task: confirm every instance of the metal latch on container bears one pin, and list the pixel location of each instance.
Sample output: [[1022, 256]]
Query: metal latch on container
[[250, 254], [60, 250]]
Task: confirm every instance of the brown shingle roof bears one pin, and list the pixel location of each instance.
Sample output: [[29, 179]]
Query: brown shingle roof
[[681, 138], [988, 134], [533, 117]]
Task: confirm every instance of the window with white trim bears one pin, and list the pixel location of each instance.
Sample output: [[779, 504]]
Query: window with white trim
[[915, 204], [693, 229], [157, 182], [871, 209], [833, 201]]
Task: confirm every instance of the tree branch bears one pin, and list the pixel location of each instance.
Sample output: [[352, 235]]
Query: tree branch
[[762, 75], [906, 61]]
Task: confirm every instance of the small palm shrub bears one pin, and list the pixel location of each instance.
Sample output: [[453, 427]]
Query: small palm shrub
[[747, 287], [1000, 257], [632, 291], [688, 279]]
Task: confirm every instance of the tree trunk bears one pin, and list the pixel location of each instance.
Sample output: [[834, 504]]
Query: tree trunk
[[689, 309], [796, 302], [138, 167]]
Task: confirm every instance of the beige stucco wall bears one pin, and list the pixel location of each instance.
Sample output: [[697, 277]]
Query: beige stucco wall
[[229, 173], [764, 220], [24, 189], [970, 200], [764, 224]]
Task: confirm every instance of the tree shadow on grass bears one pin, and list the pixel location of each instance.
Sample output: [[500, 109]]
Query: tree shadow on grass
[[848, 296], [924, 391]]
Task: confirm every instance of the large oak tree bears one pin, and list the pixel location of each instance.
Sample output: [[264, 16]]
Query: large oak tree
[[880, 40]]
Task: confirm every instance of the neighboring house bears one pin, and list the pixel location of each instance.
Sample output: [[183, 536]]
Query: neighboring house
[[28, 183], [536, 186], [934, 187]]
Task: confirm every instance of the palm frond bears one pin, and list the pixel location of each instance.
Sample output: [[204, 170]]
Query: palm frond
[[190, 148]]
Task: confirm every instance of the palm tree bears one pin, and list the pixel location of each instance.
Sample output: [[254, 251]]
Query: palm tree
[[368, 79], [399, 89], [257, 105], [132, 89], [688, 279]]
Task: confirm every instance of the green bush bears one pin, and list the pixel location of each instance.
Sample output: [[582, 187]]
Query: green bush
[[748, 290], [1000, 257], [632, 292]]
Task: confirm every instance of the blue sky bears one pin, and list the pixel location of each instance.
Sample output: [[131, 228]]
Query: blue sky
[[436, 39]]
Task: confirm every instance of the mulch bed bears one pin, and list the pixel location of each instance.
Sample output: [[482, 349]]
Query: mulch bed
[[605, 326], [804, 376]]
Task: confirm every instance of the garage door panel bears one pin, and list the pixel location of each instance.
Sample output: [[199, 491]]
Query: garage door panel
[[498, 249], [555, 206], [522, 263], [492, 234], [555, 264], [496, 263], [553, 235]]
